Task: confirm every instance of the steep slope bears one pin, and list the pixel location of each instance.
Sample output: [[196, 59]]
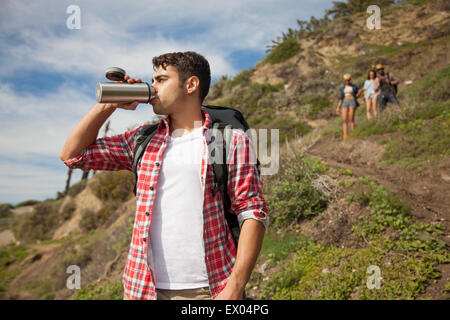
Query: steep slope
[[385, 186], [94, 235]]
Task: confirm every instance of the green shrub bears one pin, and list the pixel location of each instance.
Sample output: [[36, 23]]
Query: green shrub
[[91, 220], [9, 255], [5, 210], [41, 288], [242, 78], [277, 247], [285, 50], [117, 186], [291, 197], [101, 291], [429, 109], [68, 209], [81, 253], [77, 188], [289, 128], [27, 203], [395, 50], [313, 104], [419, 142], [369, 128], [39, 224], [434, 86]]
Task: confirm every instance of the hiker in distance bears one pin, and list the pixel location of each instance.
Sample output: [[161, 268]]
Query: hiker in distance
[[370, 95], [386, 84], [181, 246], [348, 102]]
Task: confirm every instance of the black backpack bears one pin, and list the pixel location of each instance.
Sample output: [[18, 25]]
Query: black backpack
[[221, 118]]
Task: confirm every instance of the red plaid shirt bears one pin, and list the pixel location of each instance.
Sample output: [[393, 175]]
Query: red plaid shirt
[[244, 191]]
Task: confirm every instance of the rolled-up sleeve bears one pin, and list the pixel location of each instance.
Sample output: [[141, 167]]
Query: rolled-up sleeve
[[244, 183], [108, 153]]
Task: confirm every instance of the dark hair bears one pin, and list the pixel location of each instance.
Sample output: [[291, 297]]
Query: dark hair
[[374, 72], [188, 64]]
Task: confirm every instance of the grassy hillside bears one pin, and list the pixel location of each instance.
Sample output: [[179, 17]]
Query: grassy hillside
[[376, 200], [90, 227]]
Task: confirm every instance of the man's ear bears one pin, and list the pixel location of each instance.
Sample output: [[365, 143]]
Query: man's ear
[[192, 85]]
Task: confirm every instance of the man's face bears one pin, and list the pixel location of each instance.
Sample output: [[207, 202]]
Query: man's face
[[381, 71], [169, 92]]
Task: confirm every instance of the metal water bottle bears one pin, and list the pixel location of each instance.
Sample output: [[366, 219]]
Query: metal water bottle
[[115, 92]]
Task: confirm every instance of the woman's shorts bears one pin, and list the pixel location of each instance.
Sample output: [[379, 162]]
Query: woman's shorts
[[372, 96], [348, 103]]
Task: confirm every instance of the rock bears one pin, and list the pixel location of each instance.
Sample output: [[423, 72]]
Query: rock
[[6, 237], [263, 267]]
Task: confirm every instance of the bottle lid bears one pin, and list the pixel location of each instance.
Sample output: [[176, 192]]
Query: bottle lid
[[115, 74]]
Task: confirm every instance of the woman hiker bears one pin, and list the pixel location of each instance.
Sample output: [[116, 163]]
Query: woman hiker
[[370, 95], [348, 101]]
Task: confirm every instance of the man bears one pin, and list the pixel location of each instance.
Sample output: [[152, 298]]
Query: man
[[387, 84], [181, 246]]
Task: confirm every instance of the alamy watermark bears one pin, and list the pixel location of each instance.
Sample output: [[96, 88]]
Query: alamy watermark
[[74, 20], [73, 281], [374, 280], [374, 21]]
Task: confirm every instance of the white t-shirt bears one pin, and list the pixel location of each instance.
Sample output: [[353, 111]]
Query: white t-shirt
[[176, 230]]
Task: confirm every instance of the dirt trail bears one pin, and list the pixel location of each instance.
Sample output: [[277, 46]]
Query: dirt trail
[[425, 189]]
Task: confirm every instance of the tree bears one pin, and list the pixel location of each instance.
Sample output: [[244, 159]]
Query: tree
[[69, 176]]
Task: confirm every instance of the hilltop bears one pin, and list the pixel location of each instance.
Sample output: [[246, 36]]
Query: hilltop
[[377, 199]]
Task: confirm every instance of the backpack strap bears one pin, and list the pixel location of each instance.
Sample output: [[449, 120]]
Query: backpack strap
[[220, 171], [141, 141]]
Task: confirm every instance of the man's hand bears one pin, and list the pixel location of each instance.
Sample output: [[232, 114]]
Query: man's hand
[[131, 80], [230, 292]]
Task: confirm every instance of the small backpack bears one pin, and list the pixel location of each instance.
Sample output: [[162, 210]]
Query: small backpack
[[222, 118]]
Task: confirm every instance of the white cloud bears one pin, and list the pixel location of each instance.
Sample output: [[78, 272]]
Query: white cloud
[[130, 35]]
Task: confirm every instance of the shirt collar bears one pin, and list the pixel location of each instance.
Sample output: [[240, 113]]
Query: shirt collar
[[164, 124]]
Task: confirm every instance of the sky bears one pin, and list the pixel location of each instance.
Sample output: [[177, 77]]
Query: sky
[[48, 71]]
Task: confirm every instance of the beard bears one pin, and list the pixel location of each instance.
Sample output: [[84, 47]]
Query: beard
[[159, 109]]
